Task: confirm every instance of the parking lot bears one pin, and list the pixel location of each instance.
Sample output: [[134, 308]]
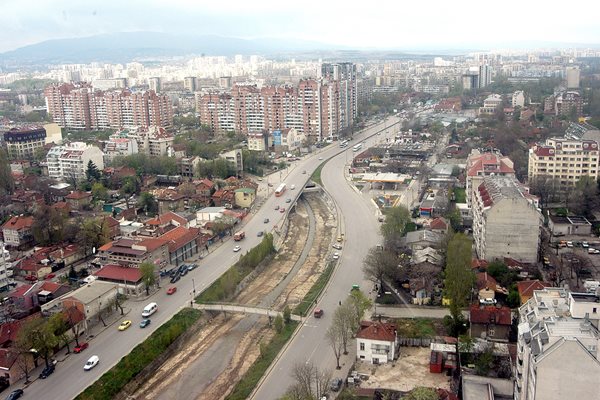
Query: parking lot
[[570, 262]]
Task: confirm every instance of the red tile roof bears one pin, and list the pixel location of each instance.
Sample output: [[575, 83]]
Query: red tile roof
[[20, 291], [476, 263], [544, 151], [167, 218], [490, 314], [18, 222], [50, 286], [119, 273], [438, 223], [526, 288], [78, 195], [485, 281], [151, 244], [180, 236], [378, 331], [8, 358]]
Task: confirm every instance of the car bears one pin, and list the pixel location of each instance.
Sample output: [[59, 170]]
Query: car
[[336, 255], [124, 325], [82, 346], [546, 260], [175, 277], [288, 200], [31, 278], [50, 276], [282, 210], [145, 322], [304, 172], [46, 372], [236, 249], [569, 244], [91, 363], [292, 187], [318, 313], [320, 158], [355, 287], [337, 246], [266, 221], [585, 245], [339, 239], [276, 208], [184, 272], [336, 384], [593, 251], [171, 290], [260, 233], [192, 267], [269, 184], [15, 394], [487, 302]]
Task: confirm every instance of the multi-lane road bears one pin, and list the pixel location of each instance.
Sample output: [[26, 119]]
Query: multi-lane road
[[360, 232]]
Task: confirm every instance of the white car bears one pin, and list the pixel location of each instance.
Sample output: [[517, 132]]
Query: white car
[[236, 249], [91, 363], [336, 255]]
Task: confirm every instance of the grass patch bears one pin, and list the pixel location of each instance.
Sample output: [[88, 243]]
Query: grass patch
[[316, 176], [248, 382], [460, 195], [416, 327], [313, 293], [225, 286], [115, 379]]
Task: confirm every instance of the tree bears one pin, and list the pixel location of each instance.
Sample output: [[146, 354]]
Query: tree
[[48, 225], [148, 273], [7, 183], [380, 264], [38, 333], [422, 393], [278, 324], [59, 326], [392, 229], [310, 382], [93, 234], [148, 203], [344, 318], [92, 173], [335, 336], [99, 192], [586, 199], [459, 277], [287, 314]]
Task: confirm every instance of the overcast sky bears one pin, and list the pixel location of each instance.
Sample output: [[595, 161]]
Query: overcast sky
[[375, 24]]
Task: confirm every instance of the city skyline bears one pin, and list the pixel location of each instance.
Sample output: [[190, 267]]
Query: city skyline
[[441, 25]]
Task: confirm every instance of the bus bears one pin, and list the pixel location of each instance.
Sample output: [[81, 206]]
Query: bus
[[344, 143], [280, 190], [357, 147]]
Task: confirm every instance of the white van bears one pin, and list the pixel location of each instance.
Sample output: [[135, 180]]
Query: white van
[[149, 310]]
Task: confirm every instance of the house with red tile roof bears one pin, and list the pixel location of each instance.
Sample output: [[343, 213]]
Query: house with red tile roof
[[183, 243], [223, 198], [134, 251], [23, 298], [114, 227], [439, 224], [490, 322], [17, 231], [10, 366], [526, 288], [77, 200], [376, 342]]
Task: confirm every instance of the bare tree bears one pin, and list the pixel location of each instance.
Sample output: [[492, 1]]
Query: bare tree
[[335, 337], [310, 382], [380, 264], [344, 317]]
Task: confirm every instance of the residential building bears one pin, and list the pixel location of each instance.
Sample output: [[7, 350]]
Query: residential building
[[565, 160], [526, 289], [23, 143], [80, 107], [244, 197], [128, 280], [376, 342], [119, 146], [235, 157], [482, 164], [490, 322], [6, 273], [506, 222], [518, 99], [189, 83], [77, 200], [485, 75], [133, 252], [572, 73], [70, 162], [17, 231], [568, 103], [152, 141], [558, 346], [491, 104], [258, 141], [288, 140]]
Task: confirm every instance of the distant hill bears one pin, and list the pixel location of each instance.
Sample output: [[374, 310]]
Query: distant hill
[[127, 46]]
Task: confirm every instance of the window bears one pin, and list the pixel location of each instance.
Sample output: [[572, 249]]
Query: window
[[594, 310], [362, 346]]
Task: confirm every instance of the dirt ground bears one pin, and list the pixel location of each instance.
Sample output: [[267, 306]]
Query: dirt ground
[[410, 370], [171, 373]]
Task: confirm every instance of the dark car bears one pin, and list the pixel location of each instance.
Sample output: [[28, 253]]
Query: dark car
[[15, 394], [144, 323], [336, 384], [175, 277], [46, 372], [184, 271]]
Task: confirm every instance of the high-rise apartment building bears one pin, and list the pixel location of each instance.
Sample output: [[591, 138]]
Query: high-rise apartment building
[[565, 160], [485, 75], [558, 346], [79, 107], [572, 77], [315, 107]]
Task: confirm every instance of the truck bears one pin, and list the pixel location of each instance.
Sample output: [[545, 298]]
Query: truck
[[239, 236]]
